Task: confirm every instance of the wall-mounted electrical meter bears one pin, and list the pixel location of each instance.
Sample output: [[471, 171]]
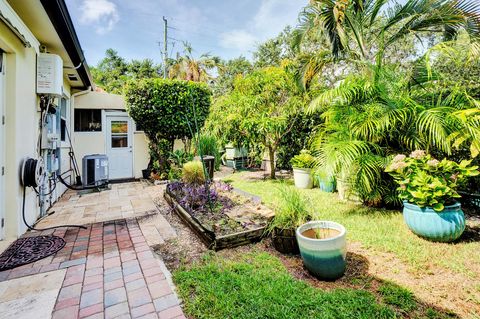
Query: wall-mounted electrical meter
[[49, 74]]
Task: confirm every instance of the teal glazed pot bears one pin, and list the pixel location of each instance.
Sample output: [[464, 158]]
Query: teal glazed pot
[[324, 258], [445, 226], [326, 184]]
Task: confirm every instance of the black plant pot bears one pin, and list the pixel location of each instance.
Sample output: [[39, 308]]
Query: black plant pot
[[285, 241], [209, 164], [146, 173]]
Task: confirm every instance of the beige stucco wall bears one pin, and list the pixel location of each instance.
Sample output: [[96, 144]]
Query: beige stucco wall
[[21, 120], [88, 143], [100, 100], [21, 129], [140, 153]]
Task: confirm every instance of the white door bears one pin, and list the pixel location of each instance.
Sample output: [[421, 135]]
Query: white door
[[2, 144], [119, 147]]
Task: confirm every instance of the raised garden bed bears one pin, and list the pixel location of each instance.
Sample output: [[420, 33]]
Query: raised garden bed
[[232, 219]]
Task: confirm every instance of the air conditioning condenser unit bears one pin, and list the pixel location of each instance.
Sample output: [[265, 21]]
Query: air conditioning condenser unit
[[95, 170]]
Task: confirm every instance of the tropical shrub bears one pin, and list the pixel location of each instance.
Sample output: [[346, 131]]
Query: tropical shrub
[[298, 138], [379, 112], [193, 173], [292, 211], [167, 109], [425, 181], [207, 144], [303, 160], [176, 159]]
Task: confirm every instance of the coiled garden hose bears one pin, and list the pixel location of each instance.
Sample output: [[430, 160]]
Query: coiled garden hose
[[32, 176]]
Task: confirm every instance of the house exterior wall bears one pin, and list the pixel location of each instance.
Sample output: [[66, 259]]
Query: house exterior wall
[[21, 120], [22, 117]]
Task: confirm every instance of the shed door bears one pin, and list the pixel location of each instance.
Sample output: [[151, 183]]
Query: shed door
[[119, 147]]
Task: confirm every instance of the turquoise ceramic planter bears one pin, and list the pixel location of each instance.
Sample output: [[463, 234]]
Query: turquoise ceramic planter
[[444, 226], [326, 184], [324, 258]]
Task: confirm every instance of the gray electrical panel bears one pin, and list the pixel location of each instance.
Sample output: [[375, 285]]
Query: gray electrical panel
[[95, 170]]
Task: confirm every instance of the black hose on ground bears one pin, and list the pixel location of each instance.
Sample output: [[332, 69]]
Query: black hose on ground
[[60, 178]]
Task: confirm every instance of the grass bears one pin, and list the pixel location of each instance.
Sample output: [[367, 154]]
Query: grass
[[377, 229], [257, 285]]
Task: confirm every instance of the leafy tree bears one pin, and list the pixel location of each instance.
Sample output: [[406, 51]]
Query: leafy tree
[[167, 109], [298, 138], [258, 111], [189, 68], [143, 69], [273, 51], [112, 72], [228, 72]]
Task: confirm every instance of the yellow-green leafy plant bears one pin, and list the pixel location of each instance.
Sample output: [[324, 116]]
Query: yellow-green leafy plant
[[193, 173], [303, 160], [426, 181]]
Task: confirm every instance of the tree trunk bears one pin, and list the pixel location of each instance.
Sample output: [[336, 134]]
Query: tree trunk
[[271, 155]]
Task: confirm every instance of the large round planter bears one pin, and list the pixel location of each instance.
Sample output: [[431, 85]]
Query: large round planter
[[326, 184], [285, 241], [324, 258], [302, 178], [445, 226]]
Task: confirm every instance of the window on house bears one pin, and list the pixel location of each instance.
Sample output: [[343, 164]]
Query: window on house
[[88, 120], [63, 119]]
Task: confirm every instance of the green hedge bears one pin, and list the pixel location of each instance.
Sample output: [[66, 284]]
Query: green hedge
[[166, 110], [163, 108]]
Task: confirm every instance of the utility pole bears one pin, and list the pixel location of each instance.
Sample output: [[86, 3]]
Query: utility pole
[[165, 52]]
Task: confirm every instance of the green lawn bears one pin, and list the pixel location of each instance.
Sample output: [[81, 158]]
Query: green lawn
[[257, 285], [377, 229]]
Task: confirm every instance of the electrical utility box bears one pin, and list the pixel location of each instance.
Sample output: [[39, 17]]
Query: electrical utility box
[[95, 170], [50, 133], [49, 74]]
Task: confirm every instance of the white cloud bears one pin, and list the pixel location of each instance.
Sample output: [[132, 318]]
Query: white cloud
[[269, 20], [238, 39], [101, 14]]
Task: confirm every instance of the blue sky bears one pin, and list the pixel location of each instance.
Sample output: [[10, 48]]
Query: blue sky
[[227, 28]]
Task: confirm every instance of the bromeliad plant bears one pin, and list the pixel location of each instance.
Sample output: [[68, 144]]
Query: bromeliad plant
[[427, 182]]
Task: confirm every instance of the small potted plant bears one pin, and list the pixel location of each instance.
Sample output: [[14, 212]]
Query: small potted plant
[[428, 188], [302, 168], [292, 211], [323, 248], [326, 182]]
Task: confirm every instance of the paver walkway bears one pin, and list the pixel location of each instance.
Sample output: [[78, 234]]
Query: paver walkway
[[109, 269]]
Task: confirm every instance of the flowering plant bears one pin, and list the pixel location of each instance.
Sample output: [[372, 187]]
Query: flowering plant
[[426, 181]]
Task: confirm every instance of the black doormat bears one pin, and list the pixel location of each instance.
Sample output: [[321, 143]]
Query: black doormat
[[29, 249]]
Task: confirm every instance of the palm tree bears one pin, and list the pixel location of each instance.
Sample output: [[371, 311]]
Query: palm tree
[[375, 114], [188, 68], [348, 24], [367, 30]]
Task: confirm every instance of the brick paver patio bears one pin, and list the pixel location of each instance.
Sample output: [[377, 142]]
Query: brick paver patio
[[110, 273]]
